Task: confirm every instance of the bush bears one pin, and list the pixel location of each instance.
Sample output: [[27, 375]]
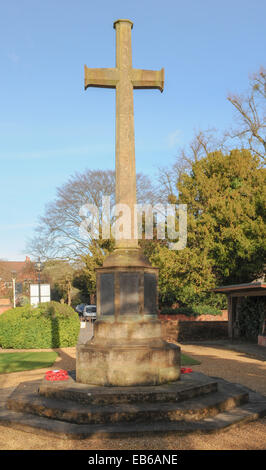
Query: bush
[[192, 310], [50, 325], [203, 299]]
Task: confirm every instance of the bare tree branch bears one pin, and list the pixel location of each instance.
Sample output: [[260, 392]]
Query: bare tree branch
[[251, 115], [203, 143], [58, 235]]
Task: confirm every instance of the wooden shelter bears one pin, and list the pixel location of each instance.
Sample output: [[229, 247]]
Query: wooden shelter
[[234, 292]]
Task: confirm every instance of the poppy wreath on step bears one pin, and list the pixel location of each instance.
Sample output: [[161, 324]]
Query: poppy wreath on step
[[185, 370], [54, 375]]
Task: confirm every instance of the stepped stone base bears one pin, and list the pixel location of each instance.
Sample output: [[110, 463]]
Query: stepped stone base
[[190, 386], [127, 353], [195, 403]]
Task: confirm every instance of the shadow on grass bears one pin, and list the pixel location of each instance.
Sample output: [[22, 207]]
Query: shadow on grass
[[20, 361]]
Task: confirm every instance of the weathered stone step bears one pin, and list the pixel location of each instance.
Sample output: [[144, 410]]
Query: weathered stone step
[[25, 399], [254, 409], [190, 386], [44, 426]]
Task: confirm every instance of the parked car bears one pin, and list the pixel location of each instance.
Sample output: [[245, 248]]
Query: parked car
[[89, 312], [79, 308]]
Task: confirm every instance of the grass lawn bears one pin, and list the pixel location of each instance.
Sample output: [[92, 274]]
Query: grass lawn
[[16, 362], [19, 361], [188, 361]]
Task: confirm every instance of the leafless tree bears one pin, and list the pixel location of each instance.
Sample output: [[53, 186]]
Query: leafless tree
[[58, 235], [203, 143], [251, 115], [251, 133]]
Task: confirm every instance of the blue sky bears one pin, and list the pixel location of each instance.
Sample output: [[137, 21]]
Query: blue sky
[[51, 128]]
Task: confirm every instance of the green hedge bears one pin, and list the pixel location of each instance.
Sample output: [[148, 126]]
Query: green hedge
[[50, 325], [192, 310]]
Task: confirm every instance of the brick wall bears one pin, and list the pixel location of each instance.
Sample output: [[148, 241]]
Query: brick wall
[[5, 304], [181, 317], [176, 330]]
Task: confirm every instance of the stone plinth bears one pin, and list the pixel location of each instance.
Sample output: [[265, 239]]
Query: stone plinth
[[127, 348], [154, 363], [127, 352], [127, 292], [127, 365]]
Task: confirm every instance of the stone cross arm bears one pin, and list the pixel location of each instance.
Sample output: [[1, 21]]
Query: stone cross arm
[[148, 78], [102, 78], [109, 78]]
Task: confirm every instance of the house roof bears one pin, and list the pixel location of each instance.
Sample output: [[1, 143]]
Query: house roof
[[22, 269], [251, 288]]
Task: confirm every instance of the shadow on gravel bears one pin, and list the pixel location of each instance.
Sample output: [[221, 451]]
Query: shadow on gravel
[[249, 350], [248, 373]]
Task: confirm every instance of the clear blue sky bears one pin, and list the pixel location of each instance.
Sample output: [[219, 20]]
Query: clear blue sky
[[50, 127]]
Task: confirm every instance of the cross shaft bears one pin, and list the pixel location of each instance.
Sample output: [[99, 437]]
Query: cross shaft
[[124, 79]]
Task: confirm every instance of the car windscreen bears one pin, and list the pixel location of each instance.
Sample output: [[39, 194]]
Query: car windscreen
[[90, 309]]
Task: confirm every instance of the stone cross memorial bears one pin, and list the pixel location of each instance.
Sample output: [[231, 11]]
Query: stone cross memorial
[[127, 379], [127, 348]]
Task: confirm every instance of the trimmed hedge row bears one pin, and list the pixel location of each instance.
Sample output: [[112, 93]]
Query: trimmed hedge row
[[192, 310], [50, 325]]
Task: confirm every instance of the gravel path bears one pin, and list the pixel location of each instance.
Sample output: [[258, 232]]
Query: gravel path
[[234, 366]]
